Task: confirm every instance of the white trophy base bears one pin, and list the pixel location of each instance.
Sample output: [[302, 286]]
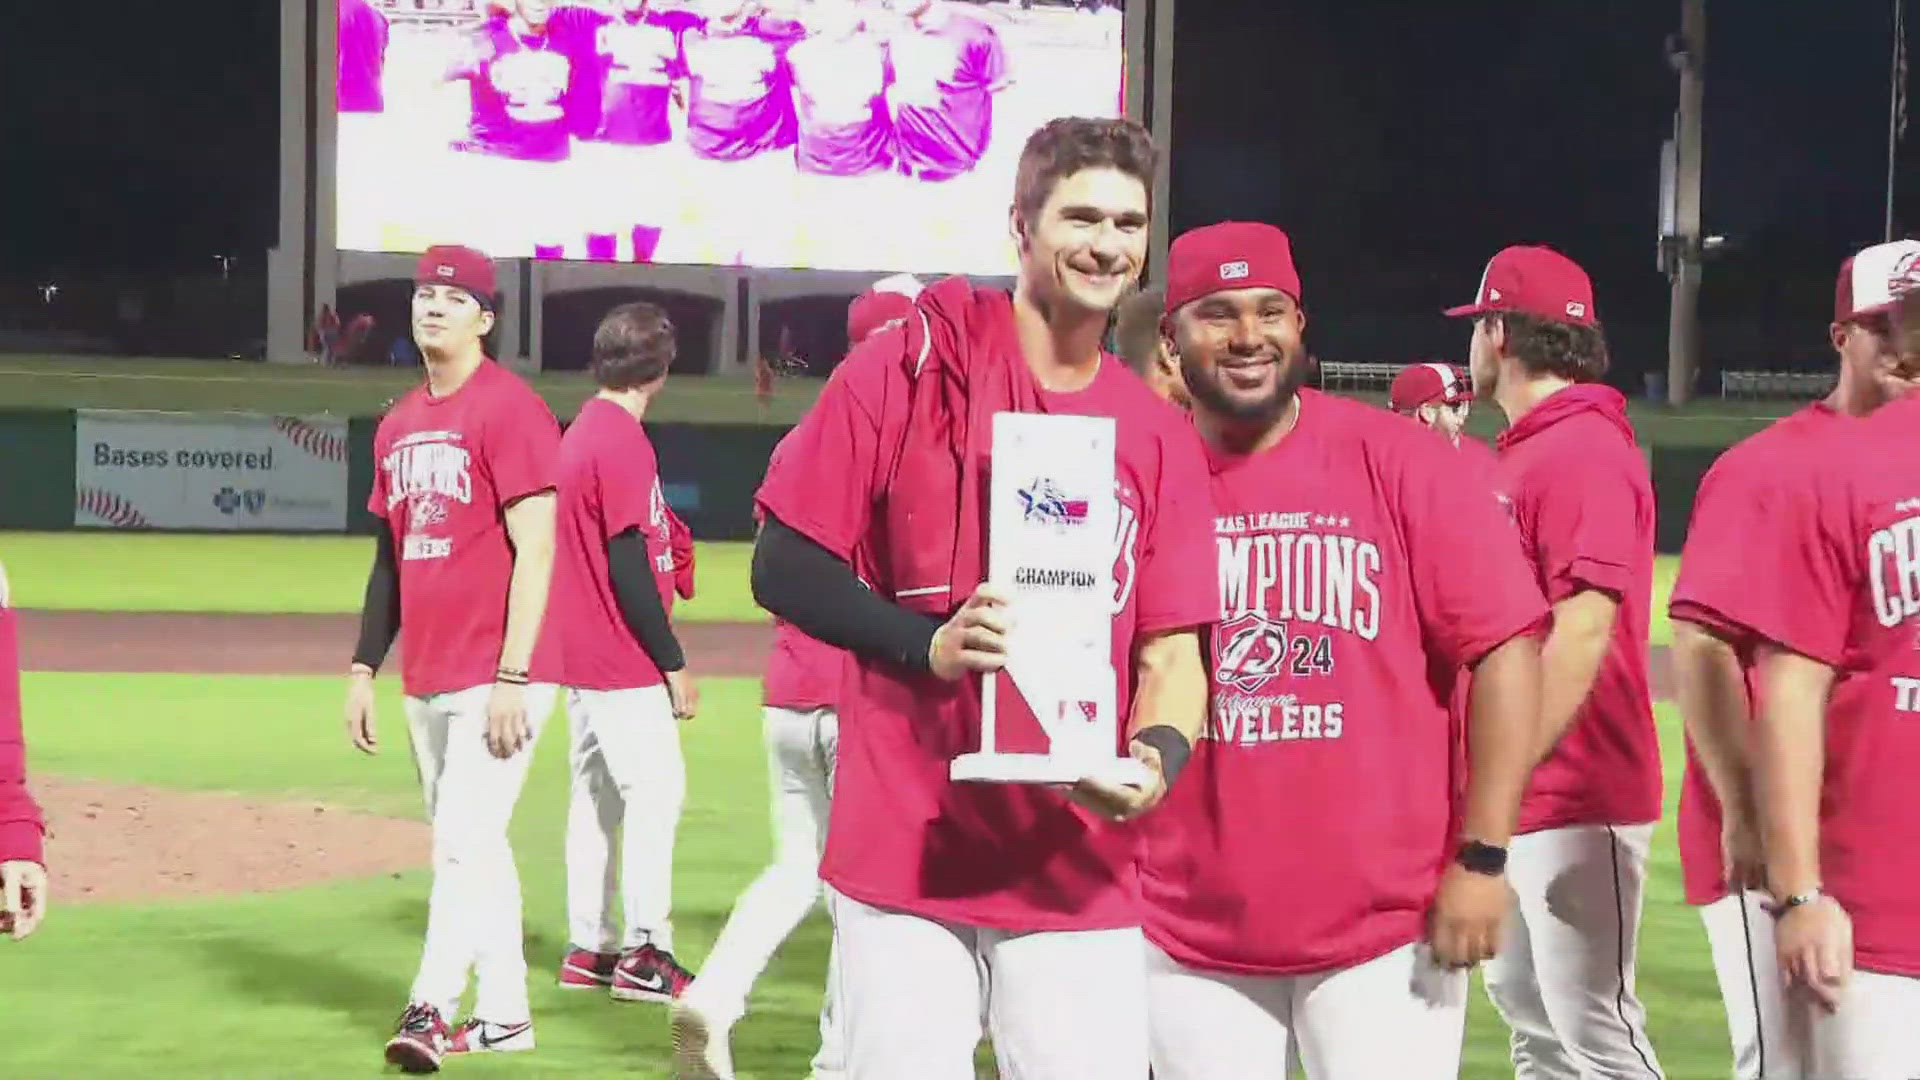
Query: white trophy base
[[999, 768]]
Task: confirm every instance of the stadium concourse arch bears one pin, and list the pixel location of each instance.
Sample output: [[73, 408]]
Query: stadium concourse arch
[[307, 269]]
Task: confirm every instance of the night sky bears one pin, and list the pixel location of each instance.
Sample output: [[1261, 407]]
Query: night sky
[[1400, 142]]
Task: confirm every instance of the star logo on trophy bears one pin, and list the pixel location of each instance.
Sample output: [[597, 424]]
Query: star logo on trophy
[[1044, 501]]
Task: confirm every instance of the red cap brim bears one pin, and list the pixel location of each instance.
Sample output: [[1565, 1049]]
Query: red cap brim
[[1467, 309]]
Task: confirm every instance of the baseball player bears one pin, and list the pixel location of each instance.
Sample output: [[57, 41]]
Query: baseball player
[[1721, 860], [463, 482], [527, 70], [1830, 599], [1580, 492], [740, 103], [610, 643], [1281, 909], [1437, 395], [1137, 338], [801, 730], [362, 57], [839, 94], [23, 865], [1013, 907], [640, 62], [947, 65]]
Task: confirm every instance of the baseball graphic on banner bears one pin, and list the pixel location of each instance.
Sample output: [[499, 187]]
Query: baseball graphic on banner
[[217, 471]]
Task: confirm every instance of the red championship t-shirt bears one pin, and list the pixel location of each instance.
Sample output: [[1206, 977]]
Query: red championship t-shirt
[[904, 836], [1355, 578], [609, 483], [22, 827], [1836, 577], [445, 470], [1479, 471], [1584, 503], [1714, 567], [802, 673]]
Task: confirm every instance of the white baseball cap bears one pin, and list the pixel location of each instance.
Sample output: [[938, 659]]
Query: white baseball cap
[[1874, 278]]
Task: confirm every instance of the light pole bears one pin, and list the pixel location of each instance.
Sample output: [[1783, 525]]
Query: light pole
[[1681, 247]]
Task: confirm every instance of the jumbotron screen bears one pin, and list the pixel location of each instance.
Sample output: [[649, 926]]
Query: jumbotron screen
[[865, 135]]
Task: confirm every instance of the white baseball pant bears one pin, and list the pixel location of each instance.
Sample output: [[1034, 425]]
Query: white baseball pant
[[800, 759], [1564, 977], [916, 994], [1740, 933], [1874, 1035], [628, 779], [1400, 1015], [473, 912]]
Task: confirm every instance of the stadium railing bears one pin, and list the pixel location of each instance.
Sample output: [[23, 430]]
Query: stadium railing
[[1338, 376], [1756, 385]]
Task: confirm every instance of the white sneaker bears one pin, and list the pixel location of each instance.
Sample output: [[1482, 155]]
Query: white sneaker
[[478, 1036], [700, 1050]]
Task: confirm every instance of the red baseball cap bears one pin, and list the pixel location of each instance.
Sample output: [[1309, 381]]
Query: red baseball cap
[[463, 267], [1422, 384], [1536, 281], [1229, 255], [886, 300], [1873, 278]]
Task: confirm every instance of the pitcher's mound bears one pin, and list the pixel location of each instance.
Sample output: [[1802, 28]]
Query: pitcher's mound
[[126, 842]]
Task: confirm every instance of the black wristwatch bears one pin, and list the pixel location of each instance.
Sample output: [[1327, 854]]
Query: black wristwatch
[[1482, 858]]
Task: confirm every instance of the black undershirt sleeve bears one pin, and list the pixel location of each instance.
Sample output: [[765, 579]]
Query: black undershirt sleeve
[[380, 611], [805, 584], [635, 593]]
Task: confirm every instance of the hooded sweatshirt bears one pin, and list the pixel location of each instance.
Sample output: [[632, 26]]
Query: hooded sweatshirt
[[1583, 500]]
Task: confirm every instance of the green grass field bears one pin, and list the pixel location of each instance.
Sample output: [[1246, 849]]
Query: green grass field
[[43, 382], [50, 382], [305, 983], [109, 571]]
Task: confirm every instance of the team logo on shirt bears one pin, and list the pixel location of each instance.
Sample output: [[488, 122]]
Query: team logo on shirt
[[428, 471], [426, 512], [1249, 650], [1046, 502], [1893, 571]]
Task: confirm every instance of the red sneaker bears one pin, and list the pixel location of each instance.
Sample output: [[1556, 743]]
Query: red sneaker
[[419, 1041], [649, 974], [584, 969]]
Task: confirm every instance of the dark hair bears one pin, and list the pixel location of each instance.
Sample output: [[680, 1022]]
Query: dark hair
[[1070, 144], [1550, 347], [633, 346], [1136, 328]]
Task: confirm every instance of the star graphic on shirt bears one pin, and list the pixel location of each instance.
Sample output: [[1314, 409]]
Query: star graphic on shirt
[[1346, 523], [1319, 519]]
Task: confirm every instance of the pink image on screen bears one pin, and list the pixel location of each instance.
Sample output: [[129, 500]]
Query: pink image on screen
[[728, 134]]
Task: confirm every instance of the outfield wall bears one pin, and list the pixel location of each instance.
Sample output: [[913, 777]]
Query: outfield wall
[[709, 472]]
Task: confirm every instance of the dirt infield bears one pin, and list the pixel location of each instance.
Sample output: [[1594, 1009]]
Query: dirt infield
[[127, 843], [229, 644], [112, 843]]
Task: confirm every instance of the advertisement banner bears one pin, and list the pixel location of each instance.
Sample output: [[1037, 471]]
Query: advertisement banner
[[231, 471]]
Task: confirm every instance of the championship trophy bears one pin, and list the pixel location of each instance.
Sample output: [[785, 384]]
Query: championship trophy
[[1051, 522]]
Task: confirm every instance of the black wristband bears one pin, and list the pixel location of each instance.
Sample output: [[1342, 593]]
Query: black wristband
[[1173, 746]]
